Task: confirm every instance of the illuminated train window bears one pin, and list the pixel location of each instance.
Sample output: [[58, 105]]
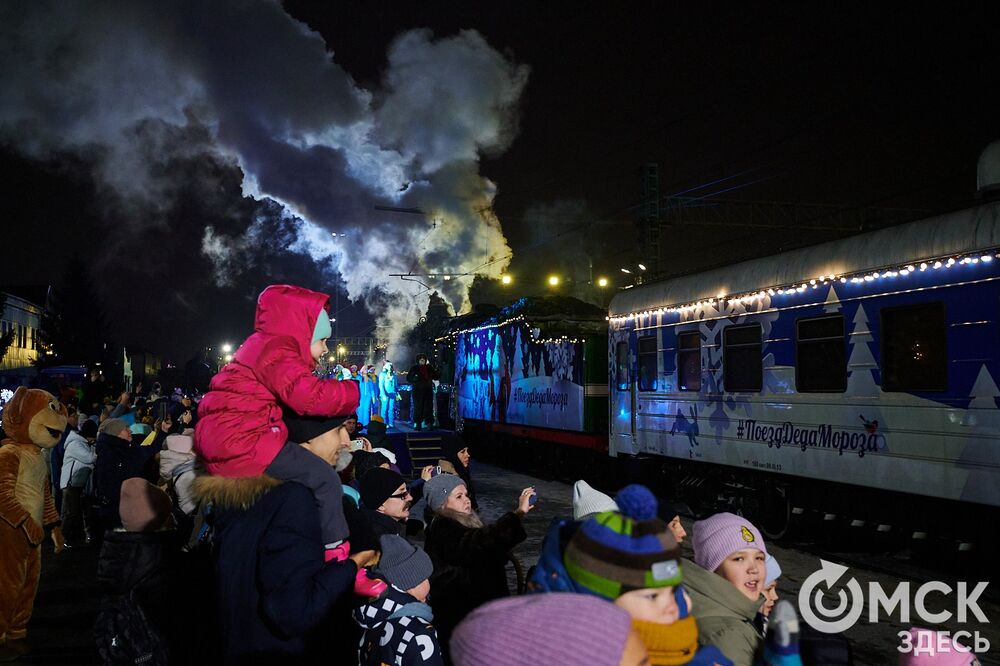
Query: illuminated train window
[[914, 348], [742, 368], [689, 361], [648, 367], [621, 366], [820, 355]]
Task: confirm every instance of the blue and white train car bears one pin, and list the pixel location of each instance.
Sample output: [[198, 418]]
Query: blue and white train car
[[871, 361]]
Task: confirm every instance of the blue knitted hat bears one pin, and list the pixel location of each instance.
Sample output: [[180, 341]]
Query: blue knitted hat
[[613, 553], [322, 330]]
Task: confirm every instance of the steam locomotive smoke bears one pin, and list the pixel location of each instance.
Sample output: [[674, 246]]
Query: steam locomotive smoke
[[136, 88]]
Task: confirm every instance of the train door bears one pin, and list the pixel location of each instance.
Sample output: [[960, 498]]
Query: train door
[[622, 400]]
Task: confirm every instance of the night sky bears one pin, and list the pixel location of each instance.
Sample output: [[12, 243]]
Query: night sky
[[846, 105]]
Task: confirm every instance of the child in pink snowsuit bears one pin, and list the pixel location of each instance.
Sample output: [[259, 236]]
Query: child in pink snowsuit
[[240, 431]]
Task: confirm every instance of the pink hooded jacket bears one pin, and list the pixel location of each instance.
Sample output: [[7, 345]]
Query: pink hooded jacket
[[240, 428]]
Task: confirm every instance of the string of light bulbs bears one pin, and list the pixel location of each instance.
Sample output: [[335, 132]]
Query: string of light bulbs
[[932, 264], [519, 318]]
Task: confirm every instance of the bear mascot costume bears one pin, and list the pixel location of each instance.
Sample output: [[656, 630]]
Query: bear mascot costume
[[33, 420]]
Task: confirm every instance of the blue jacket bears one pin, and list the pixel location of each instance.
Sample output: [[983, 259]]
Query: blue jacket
[[387, 387], [275, 593]]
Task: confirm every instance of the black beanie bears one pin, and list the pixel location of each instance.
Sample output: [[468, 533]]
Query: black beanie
[[365, 461], [88, 430], [304, 428], [377, 485]]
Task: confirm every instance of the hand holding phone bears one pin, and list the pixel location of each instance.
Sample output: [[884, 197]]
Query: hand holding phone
[[526, 501]]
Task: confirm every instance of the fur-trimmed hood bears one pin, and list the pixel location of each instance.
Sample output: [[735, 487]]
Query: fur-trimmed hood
[[232, 493]]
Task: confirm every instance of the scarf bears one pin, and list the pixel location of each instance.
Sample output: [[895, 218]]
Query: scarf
[[669, 644], [413, 609]]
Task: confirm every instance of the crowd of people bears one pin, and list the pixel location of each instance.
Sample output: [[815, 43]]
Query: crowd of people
[[285, 543]]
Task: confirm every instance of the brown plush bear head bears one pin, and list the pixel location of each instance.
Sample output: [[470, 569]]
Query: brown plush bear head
[[34, 415]]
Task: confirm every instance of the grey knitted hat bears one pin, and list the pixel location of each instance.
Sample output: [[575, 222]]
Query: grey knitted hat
[[113, 426], [403, 564], [437, 489]]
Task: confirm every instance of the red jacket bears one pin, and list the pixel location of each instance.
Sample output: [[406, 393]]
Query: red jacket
[[240, 428]]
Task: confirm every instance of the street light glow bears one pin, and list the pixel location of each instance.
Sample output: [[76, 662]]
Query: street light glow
[[627, 271], [226, 348], [553, 280], [641, 267], [602, 282], [229, 357], [505, 279]]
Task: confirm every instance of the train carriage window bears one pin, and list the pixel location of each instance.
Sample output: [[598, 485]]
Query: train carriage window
[[648, 366], [914, 348], [621, 366], [741, 362], [689, 361], [820, 355]]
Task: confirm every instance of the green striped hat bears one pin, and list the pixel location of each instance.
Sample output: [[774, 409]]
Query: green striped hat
[[613, 553]]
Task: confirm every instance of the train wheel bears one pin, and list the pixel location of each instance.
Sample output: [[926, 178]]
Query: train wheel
[[773, 511]]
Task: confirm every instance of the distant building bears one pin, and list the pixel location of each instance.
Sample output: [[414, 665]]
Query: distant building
[[356, 351], [140, 366], [24, 317]]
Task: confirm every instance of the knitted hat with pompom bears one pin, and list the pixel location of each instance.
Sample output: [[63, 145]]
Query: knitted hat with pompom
[[613, 553]]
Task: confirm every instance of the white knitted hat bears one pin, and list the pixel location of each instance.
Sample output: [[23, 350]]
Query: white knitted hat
[[587, 501], [387, 453]]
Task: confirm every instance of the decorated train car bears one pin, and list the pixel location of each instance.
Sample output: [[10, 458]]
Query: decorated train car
[[859, 375], [531, 380]]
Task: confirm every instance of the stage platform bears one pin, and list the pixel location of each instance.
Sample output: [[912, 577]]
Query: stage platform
[[415, 448]]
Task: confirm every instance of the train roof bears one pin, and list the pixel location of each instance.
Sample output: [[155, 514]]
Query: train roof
[[960, 232]]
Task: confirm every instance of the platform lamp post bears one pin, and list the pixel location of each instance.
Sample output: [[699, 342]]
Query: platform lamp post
[[638, 279], [226, 354]]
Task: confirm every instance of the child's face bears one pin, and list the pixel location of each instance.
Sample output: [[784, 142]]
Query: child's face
[[464, 457], [771, 597], [421, 591], [318, 350], [745, 569], [677, 529], [653, 604]]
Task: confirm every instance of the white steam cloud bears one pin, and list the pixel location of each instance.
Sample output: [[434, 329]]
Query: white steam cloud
[[136, 87]]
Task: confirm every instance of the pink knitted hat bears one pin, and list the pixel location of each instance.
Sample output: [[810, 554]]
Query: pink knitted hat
[[550, 628], [719, 536], [954, 654], [143, 507]]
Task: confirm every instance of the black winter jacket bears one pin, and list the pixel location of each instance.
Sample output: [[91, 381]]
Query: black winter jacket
[[469, 566], [146, 566], [117, 460], [275, 593], [383, 524]]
